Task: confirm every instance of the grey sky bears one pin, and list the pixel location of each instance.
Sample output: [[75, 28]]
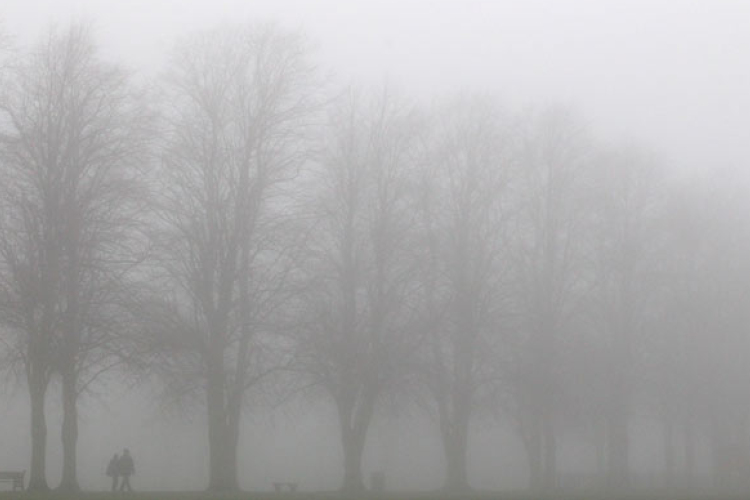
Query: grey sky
[[673, 74]]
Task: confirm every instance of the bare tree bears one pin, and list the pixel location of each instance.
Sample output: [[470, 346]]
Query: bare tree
[[464, 211], [549, 262], [356, 338], [73, 140], [239, 104], [700, 356], [670, 358], [628, 231]]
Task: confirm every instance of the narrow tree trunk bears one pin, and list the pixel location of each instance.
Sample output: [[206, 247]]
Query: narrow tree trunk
[[546, 390], [455, 430], [535, 462], [668, 453], [550, 453], [230, 473], [532, 440], [601, 453], [222, 456], [69, 482], [455, 444], [718, 465], [221, 445], [689, 452], [618, 448], [38, 472], [353, 444], [355, 415]]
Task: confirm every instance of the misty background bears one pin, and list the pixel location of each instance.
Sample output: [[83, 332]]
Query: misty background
[[666, 79]]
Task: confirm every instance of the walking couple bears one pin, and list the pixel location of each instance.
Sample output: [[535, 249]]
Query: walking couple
[[121, 466]]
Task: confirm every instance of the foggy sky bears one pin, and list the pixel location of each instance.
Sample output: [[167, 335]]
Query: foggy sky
[[673, 74]]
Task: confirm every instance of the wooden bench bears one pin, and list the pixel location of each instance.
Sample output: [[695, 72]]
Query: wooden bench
[[281, 486], [13, 477]]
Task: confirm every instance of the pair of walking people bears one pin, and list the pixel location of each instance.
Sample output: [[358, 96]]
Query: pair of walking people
[[121, 467]]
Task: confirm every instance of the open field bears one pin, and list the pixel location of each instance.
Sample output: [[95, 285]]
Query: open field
[[703, 495]]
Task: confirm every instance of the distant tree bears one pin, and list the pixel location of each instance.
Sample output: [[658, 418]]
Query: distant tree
[[706, 320], [464, 210], [6, 350], [356, 340], [549, 236], [671, 354], [73, 140], [630, 241], [238, 108]]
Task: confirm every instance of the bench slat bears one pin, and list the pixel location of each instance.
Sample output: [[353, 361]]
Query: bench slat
[[15, 477]]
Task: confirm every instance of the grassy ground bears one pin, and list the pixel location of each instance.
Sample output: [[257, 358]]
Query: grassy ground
[[694, 495]]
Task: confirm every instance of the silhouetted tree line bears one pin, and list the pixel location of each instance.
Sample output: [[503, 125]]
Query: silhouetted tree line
[[242, 221]]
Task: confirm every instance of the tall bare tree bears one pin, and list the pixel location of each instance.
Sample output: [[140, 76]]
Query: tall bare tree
[[239, 107], [74, 139], [549, 243], [629, 241], [465, 209], [700, 351], [355, 341]]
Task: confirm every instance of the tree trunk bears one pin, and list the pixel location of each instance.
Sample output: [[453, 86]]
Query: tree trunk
[[618, 414], [69, 481], [455, 430], [455, 444], [535, 462], [222, 444], [532, 440], [618, 448], [229, 458], [689, 451], [601, 452], [353, 444], [550, 453], [718, 472], [545, 390], [668, 453], [222, 456], [355, 415], [38, 473]]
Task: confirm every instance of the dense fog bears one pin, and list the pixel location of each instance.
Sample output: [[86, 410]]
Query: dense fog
[[375, 245]]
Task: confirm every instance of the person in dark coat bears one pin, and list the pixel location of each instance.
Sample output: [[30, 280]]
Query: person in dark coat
[[112, 470], [126, 468]]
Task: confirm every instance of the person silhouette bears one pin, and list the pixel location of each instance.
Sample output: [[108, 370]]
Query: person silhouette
[[112, 470], [126, 468]]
